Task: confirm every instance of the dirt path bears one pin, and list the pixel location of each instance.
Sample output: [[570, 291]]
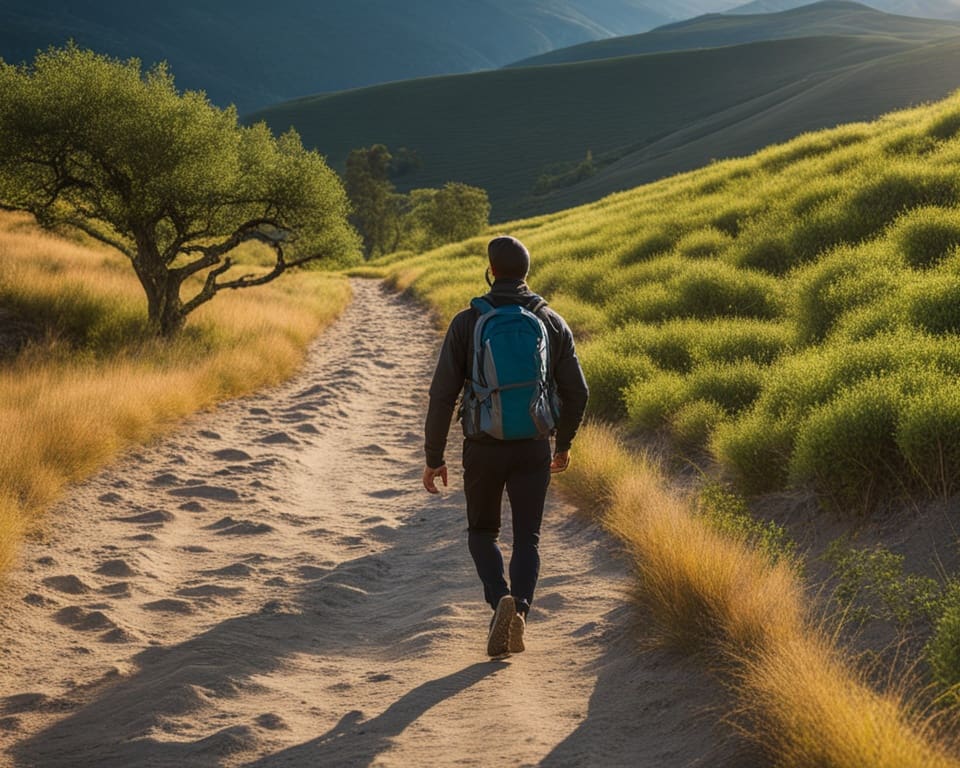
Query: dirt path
[[271, 587]]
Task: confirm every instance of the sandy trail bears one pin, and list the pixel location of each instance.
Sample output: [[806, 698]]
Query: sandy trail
[[271, 587]]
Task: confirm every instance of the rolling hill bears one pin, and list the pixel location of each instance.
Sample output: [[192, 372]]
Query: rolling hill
[[930, 9], [831, 17], [253, 54], [502, 130]]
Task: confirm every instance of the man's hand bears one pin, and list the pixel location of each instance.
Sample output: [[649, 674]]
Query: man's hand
[[561, 461], [430, 476]]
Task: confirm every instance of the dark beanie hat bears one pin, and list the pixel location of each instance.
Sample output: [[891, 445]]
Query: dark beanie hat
[[508, 257]]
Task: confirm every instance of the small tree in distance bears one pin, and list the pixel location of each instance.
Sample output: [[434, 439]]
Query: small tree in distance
[[166, 178]]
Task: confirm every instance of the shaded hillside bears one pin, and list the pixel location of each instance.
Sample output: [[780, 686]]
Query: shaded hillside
[[501, 130], [832, 17], [858, 93], [254, 54]]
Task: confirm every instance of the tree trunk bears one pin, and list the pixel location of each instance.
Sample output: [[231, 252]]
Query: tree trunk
[[164, 308]]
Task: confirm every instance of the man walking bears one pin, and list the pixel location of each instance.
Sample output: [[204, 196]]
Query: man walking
[[513, 357]]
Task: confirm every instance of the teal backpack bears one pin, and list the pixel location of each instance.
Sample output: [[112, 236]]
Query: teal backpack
[[510, 393]]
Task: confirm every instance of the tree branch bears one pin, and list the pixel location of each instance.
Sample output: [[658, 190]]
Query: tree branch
[[83, 226]]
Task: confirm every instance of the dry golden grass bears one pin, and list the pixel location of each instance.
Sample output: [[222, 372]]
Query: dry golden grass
[[803, 701], [96, 383]]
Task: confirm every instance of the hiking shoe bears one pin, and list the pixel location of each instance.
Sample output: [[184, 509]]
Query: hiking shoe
[[517, 624], [498, 641]]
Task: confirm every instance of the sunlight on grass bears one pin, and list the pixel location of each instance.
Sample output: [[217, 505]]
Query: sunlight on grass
[[732, 308], [713, 595], [91, 382]]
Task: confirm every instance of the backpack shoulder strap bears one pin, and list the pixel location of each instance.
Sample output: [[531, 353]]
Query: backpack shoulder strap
[[481, 305]]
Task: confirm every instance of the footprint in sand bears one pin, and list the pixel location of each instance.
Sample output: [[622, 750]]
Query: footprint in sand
[[109, 498], [116, 569], [271, 721], [228, 526], [373, 450], [387, 493], [118, 636], [153, 516], [169, 605], [192, 506], [295, 417], [235, 571], [232, 454], [385, 364], [278, 438], [70, 584], [259, 412], [316, 389], [37, 600], [195, 549], [210, 492], [117, 589], [143, 537], [167, 478], [208, 434], [78, 618], [308, 429]]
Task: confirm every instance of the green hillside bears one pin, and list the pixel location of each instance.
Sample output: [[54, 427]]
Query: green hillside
[[794, 315], [832, 17], [253, 54], [501, 130]]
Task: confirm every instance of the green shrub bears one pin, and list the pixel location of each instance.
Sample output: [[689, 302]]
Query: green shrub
[[727, 513], [836, 284], [883, 197], [766, 249], [871, 584], [651, 402], [933, 303], [755, 449], [847, 448], [943, 650], [926, 235], [692, 425], [712, 289], [732, 386], [945, 127], [609, 372], [647, 246], [928, 435], [732, 339], [704, 243]]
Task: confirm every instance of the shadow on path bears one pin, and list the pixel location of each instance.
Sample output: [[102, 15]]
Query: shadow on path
[[357, 742]]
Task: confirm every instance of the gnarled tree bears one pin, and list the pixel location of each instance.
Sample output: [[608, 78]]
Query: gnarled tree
[[168, 179]]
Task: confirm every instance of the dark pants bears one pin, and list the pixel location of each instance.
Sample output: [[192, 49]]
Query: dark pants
[[523, 468]]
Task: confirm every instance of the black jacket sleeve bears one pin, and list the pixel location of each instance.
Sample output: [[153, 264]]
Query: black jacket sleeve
[[448, 379], [571, 386]]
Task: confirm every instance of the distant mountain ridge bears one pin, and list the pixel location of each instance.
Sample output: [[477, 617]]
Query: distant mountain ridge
[[544, 138], [828, 17], [928, 9], [252, 53]]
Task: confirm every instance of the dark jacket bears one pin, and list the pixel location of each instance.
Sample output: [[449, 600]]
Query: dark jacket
[[453, 367]]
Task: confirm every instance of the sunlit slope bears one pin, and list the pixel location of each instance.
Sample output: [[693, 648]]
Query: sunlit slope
[[794, 315], [863, 92], [500, 129], [832, 17]]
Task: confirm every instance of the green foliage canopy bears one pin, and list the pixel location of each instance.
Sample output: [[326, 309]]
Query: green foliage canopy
[[166, 178]]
